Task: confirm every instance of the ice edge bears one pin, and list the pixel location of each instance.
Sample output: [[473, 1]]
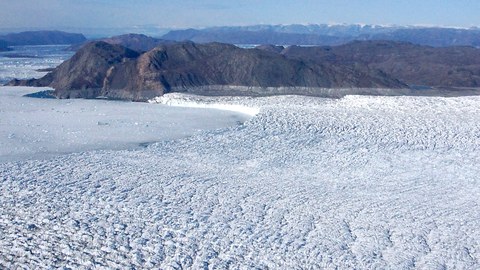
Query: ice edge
[[190, 101]]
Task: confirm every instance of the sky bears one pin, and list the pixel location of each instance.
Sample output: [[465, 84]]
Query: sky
[[173, 14]]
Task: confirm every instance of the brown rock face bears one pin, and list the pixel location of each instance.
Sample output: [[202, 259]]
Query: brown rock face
[[85, 73], [409, 63], [102, 69], [137, 42]]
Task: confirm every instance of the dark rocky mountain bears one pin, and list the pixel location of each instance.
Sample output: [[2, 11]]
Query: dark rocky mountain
[[42, 38], [84, 74], [411, 64], [328, 35], [437, 37], [102, 69], [270, 48], [136, 42]]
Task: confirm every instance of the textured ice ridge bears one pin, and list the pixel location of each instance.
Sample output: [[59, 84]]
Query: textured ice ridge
[[192, 101]]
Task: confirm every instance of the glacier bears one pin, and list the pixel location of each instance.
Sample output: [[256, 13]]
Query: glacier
[[361, 182]]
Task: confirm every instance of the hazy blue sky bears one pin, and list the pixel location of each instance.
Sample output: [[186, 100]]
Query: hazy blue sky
[[61, 14]]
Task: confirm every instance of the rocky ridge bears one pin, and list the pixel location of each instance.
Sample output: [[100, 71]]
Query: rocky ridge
[[103, 69], [136, 42], [100, 69]]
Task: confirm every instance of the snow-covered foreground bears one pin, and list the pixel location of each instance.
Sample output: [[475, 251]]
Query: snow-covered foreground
[[355, 183]]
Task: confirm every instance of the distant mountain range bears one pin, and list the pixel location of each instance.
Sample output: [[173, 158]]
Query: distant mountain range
[[296, 34], [100, 69], [40, 38], [328, 35]]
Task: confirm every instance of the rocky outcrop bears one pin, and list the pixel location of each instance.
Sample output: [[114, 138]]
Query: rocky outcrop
[[102, 69], [412, 64], [83, 75], [42, 38], [87, 72], [436, 37], [136, 42]]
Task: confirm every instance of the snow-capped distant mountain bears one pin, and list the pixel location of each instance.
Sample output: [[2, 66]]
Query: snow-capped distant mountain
[[330, 34]]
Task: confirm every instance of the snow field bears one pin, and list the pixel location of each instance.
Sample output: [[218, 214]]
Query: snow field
[[38, 128], [360, 182]]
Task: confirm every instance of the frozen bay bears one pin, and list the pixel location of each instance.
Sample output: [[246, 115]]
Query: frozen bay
[[32, 128], [308, 183], [26, 62]]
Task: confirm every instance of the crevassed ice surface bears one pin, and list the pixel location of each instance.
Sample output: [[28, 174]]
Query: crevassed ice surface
[[355, 183], [23, 62]]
